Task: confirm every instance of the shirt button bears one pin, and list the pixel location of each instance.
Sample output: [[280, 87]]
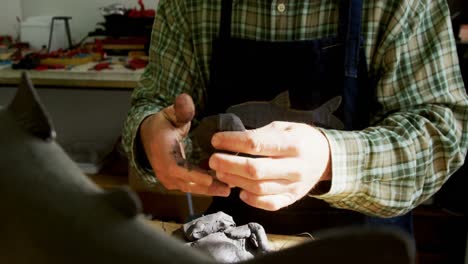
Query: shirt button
[[281, 8]]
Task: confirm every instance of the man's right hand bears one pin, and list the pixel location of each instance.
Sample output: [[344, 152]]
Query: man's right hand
[[161, 135]]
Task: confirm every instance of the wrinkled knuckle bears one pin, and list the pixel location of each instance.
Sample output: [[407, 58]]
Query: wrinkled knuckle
[[275, 124], [295, 189], [253, 143], [252, 170], [278, 148], [259, 189]]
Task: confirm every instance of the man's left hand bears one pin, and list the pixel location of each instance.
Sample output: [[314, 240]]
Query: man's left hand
[[290, 159]]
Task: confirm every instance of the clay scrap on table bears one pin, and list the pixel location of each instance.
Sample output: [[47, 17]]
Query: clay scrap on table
[[217, 235]]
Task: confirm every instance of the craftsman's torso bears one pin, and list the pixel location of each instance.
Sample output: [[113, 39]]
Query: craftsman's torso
[[313, 72]]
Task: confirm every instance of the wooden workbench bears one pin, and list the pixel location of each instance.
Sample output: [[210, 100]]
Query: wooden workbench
[[118, 77], [176, 201], [106, 181]]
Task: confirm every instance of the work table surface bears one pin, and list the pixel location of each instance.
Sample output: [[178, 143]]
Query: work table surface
[[118, 77], [277, 242]]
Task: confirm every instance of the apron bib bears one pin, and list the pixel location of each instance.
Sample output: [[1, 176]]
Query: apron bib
[[313, 72]]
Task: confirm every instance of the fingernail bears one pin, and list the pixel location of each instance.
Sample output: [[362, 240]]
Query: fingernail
[[212, 163], [215, 141], [226, 192]]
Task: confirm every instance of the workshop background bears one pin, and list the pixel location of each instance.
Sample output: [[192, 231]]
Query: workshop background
[[81, 24], [88, 101]]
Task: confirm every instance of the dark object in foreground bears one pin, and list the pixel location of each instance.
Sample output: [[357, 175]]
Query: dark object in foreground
[[52, 213]]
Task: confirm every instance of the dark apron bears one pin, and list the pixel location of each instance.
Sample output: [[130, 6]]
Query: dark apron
[[313, 71]]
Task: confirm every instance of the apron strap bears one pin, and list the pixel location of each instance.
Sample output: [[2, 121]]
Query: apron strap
[[350, 33], [226, 18]]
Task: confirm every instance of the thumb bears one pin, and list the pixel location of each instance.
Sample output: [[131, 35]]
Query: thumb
[[184, 110]]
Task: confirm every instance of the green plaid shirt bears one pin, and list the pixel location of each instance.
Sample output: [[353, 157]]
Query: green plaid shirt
[[417, 140]]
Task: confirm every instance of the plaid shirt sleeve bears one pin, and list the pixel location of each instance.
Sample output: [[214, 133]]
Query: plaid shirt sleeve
[[419, 138], [171, 70]]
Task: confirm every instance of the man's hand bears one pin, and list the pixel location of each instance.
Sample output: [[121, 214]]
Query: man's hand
[[161, 135], [294, 157]]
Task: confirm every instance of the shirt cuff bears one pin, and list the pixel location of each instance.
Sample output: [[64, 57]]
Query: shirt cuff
[[349, 154]]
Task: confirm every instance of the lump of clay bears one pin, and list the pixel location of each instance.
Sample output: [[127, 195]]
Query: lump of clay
[[218, 236]]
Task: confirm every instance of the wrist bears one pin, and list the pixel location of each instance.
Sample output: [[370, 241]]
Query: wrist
[[323, 185], [145, 125], [141, 140], [327, 173]]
